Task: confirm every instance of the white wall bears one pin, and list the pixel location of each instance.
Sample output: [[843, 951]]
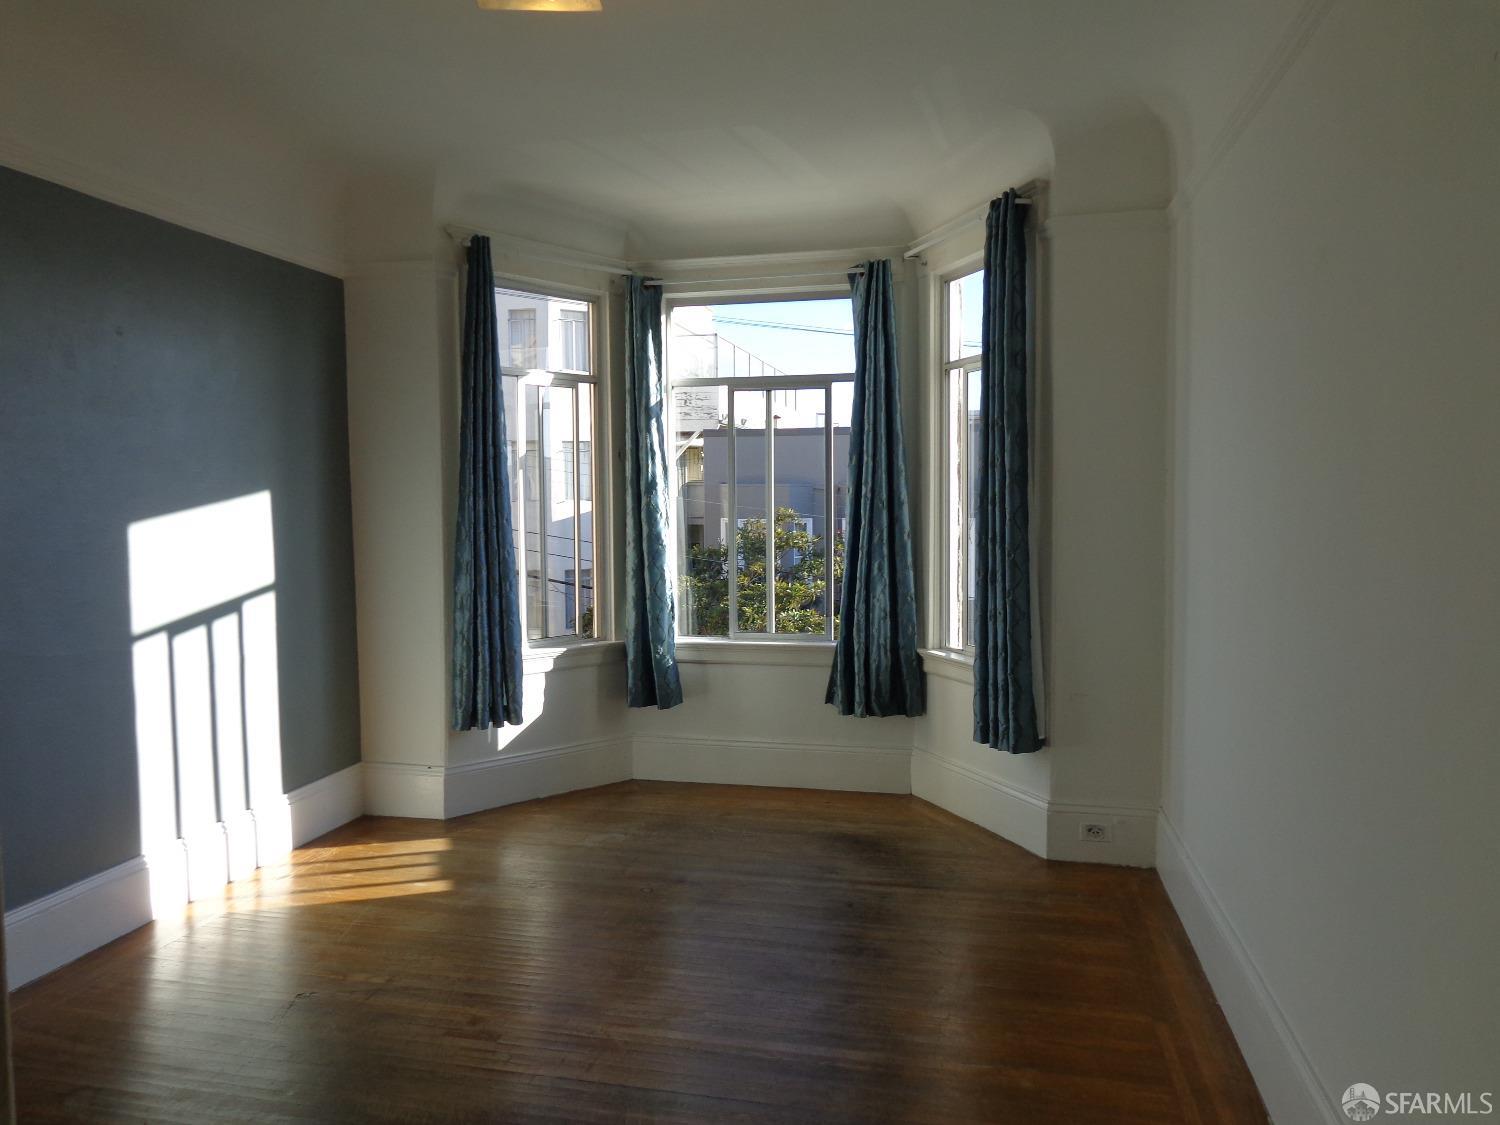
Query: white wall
[[1101, 264], [755, 714], [396, 436], [1333, 764]]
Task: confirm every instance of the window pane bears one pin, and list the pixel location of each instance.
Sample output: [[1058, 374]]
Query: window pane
[[750, 449], [843, 418], [955, 491], [542, 332], [509, 390], [557, 514], [532, 474], [559, 545], [757, 339], [800, 461], [702, 449], [585, 510], [965, 315], [971, 531], [574, 323]]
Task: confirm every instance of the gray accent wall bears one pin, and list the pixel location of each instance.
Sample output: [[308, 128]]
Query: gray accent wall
[[146, 369]]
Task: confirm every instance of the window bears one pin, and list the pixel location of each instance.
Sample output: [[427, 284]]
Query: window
[[550, 409], [574, 324], [522, 337], [762, 401], [963, 305]]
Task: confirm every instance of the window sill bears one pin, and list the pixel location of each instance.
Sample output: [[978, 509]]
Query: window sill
[[790, 654], [578, 654], [950, 665]]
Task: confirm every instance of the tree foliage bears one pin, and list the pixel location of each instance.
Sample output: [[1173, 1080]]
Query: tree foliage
[[799, 577]]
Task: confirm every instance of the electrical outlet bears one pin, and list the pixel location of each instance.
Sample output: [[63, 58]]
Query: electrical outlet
[[1096, 833]]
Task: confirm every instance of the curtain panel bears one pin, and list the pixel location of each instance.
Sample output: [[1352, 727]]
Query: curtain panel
[[487, 644], [651, 678], [876, 668], [1005, 712]]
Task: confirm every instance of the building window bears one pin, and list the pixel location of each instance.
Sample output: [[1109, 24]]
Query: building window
[[522, 337], [551, 405], [574, 326], [963, 305], [762, 401]]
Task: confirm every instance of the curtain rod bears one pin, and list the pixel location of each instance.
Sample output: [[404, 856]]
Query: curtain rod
[[658, 281], [1025, 198]]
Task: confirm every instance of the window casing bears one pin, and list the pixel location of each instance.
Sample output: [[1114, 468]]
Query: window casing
[[962, 312], [755, 438], [550, 385]]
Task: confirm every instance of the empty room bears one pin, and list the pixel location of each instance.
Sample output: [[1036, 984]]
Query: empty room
[[789, 561]]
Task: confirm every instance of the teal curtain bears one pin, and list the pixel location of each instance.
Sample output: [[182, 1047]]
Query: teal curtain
[[876, 667], [486, 606], [1005, 713], [651, 678]]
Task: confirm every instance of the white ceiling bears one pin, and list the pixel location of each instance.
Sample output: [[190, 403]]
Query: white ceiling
[[693, 125]]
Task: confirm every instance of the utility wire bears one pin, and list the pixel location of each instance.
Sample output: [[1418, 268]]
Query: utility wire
[[791, 327]]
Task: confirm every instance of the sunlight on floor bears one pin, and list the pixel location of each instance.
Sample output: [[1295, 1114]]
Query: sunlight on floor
[[339, 874]]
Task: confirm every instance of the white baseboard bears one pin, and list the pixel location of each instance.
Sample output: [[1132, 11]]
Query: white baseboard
[[52, 931], [48, 933], [1132, 832], [1284, 1073], [402, 789], [1006, 810], [780, 764], [323, 805], [510, 778]]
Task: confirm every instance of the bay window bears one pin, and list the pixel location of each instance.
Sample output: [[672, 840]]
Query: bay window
[[762, 401]]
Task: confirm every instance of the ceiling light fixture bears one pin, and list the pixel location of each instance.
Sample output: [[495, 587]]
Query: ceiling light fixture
[[542, 5]]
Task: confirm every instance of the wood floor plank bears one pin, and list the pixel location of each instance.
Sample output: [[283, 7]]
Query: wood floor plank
[[648, 952]]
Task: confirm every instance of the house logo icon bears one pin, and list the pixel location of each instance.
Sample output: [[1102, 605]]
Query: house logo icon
[[1361, 1102]]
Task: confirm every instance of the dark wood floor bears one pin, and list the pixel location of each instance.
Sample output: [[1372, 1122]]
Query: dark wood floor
[[648, 952]]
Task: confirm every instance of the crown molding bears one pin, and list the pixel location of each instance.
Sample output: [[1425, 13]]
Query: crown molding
[[124, 192], [1149, 218], [540, 251], [399, 269], [1278, 63]]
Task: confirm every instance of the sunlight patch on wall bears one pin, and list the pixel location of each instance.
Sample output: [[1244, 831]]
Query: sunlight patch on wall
[[190, 561], [208, 714]]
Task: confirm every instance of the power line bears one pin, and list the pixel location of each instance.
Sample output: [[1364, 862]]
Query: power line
[[790, 327]]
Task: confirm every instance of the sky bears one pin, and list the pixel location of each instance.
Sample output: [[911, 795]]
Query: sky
[[827, 350]]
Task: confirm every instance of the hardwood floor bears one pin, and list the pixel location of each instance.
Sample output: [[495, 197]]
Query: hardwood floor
[[648, 952]]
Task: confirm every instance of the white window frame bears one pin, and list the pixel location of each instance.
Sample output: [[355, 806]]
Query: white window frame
[[518, 432], [953, 620], [768, 383]]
